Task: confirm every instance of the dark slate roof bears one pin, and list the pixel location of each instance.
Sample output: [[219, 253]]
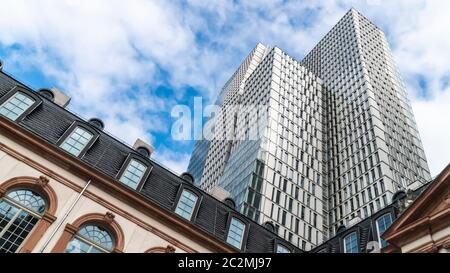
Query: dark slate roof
[[107, 155], [366, 229]]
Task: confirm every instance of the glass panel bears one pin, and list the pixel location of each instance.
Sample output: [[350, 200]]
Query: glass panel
[[383, 223], [235, 233], [133, 174], [78, 246], [96, 236], [186, 204], [17, 229], [282, 249], [28, 199], [77, 141], [15, 106], [351, 243]]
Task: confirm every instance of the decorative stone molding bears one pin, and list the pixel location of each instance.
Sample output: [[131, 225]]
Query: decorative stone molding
[[170, 249], [42, 181], [109, 217], [105, 220], [160, 249]]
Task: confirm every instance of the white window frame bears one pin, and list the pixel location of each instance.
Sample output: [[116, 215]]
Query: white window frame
[[69, 136], [14, 96], [378, 227], [345, 243], [241, 235], [193, 206], [126, 169]]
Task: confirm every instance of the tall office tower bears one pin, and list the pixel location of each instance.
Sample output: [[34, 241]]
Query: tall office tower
[[219, 147], [373, 147], [268, 152], [338, 138]]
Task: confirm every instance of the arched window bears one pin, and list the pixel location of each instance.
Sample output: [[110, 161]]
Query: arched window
[[20, 211], [91, 239], [91, 233]]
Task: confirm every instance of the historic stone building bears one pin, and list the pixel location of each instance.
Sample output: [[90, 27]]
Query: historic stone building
[[68, 186]]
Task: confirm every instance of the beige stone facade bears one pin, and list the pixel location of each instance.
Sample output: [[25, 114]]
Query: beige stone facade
[[139, 229]]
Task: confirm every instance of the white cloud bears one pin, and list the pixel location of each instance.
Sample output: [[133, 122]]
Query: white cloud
[[95, 50]]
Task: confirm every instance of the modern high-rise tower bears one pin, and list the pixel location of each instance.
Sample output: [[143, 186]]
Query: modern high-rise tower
[[337, 137]]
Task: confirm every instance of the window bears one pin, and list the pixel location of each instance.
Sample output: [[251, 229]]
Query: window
[[351, 243], [133, 174], [383, 223], [20, 210], [76, 142], [16, 105], [186, 204], [91, 239], [236, 233], [282, 249]]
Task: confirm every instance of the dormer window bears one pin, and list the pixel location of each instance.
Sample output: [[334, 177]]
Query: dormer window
[[383, 223], [282, 249], [77, 141], [186, 204], [351, 243], [133, 174], [16, 106], [236, 233]]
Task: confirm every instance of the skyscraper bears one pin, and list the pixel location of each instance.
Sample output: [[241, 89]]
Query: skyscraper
[[337, 138]]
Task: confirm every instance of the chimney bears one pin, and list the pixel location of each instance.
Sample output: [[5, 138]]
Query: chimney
[[143, 148], [60, 98], [220, 193]]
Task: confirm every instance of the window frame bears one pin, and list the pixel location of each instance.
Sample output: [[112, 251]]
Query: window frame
[[232, 216], [22, 208], [193, 191], [16, 89], [126, 163], [357, 242], [71, 129], [378, 228], [91, 243], [281, 244]]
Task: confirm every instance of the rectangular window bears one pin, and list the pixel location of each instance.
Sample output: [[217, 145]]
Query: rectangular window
[[133, 174], [186, 204], [15, 106], [383, 223], [76, 141], [236, 233], [351, 243]]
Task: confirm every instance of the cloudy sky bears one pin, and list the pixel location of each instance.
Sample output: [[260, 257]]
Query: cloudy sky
[[130, 62]]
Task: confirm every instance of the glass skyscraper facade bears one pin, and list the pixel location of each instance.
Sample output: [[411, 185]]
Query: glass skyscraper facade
[[336, 140]]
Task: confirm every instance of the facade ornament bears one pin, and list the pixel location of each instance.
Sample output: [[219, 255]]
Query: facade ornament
[[109, 217], [42, 181], [434, 249], [170, 249]]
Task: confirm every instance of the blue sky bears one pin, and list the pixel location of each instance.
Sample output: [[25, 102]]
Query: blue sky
[[130, 62]]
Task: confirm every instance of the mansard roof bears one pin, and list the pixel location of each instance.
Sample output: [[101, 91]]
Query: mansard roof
[[49, 122]]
